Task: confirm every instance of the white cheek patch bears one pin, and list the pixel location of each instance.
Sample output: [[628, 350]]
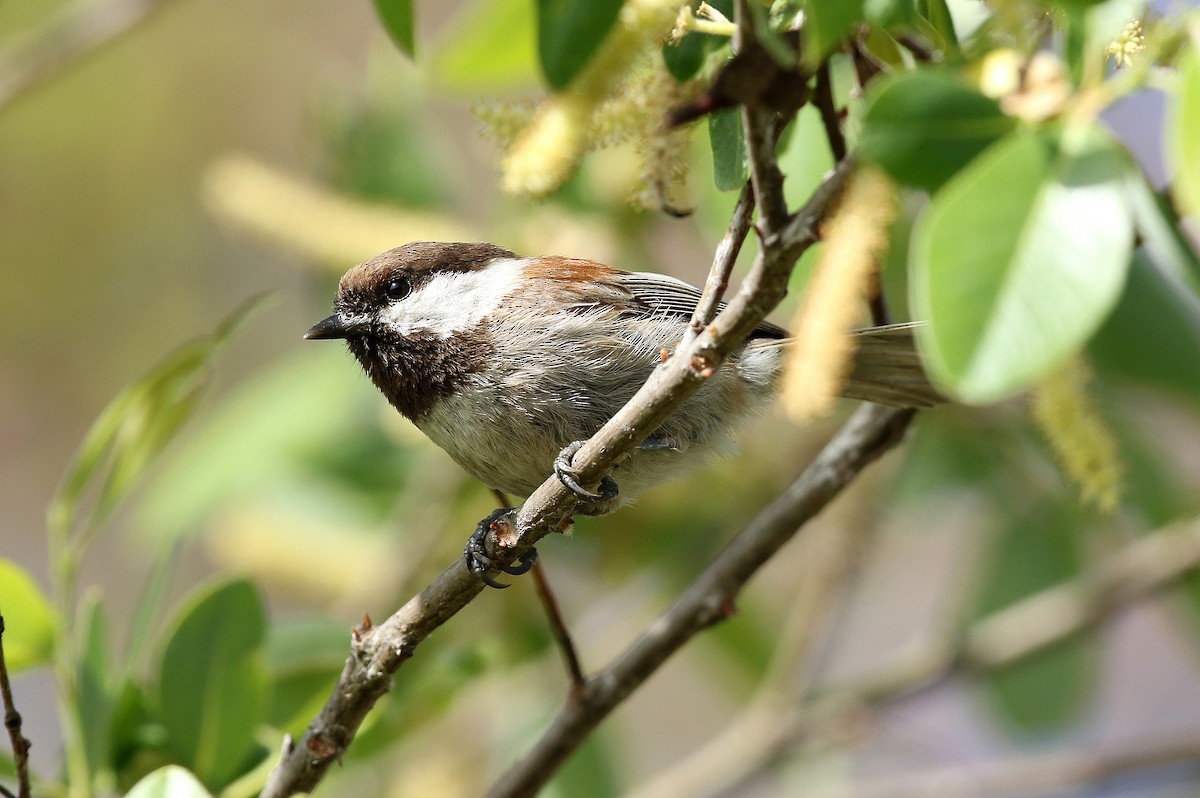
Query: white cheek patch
[[454, 301]]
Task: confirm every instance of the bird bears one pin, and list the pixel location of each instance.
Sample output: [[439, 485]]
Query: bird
[[509, 363]]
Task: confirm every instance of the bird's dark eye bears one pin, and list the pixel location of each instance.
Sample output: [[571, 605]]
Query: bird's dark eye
[[397, 288]]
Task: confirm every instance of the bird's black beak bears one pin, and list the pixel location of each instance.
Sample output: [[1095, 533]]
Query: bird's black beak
[[335, 326]]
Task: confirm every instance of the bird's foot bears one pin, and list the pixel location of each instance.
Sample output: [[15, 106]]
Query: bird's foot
[[567, 475], [478, 560]]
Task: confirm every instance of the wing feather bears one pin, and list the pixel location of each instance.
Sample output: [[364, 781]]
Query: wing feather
[[658, 295]]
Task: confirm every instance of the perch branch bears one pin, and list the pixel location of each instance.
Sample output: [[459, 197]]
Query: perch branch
[[379, 652], [872, 431]]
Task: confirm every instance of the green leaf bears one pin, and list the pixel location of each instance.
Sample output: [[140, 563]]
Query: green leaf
[[150, 608], [1184, 135], [1077, 6], [806, 159], [171, 781], [941, 22], [134, 428], [889, 14], [1153, 335], [826, 23], [569, 32], [478, 56], [258, 437], [304, 658], [29, 622], [94, 699], [730, 168], [397, 19], [924, 126], [212, 685], [947, 451], [1019, 259], [1037, 551]]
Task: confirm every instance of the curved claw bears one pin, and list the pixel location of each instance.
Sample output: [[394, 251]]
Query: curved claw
[[568, 476], [478, 561]]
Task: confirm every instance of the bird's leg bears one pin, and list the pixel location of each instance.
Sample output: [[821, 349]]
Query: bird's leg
[[478, 560], [568, 476]]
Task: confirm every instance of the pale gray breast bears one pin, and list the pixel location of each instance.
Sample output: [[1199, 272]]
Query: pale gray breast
[[550, 382]]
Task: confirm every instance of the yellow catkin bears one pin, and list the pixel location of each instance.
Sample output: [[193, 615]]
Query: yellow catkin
[[818, 362], [546, 151], [316, 223], [503, 120], [664, 153], [1078, 435]]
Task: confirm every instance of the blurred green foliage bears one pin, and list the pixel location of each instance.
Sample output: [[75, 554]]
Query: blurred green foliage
[[1023, 241]]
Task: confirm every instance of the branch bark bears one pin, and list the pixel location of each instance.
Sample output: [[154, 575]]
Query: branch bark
[[12, 722], [379, 652], [872, 431]]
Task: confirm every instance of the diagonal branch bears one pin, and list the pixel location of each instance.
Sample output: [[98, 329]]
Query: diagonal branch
[[77, 31], [764, 735], [872, 431], [724, 258], [378, 653]]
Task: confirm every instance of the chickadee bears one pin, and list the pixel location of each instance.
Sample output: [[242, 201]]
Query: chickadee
[[507, 363]]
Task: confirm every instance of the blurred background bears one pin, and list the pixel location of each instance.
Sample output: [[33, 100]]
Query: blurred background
[[221, 150]]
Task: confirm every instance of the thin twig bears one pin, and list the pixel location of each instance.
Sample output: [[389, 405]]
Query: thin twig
[[724, 258], [832, 121], [919, 49], [830, 118], [558, 627], [558, 624], [880, 315], [866, 65], [77, 31], [1035, 774], [379, 654], [376, 656], [1009, 635], [871, 432], [866, 68], [12, 722], [1047, 617]]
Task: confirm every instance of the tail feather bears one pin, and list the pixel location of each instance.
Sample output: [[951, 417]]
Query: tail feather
[[887, 369]]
